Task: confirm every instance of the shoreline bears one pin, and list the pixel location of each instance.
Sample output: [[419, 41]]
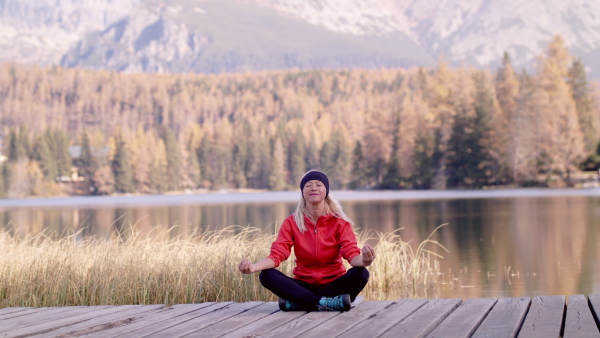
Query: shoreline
[[265, 197]]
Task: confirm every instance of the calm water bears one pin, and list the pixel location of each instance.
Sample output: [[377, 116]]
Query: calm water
[[501, 244]]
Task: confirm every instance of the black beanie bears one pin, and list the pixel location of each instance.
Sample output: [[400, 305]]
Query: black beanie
[[315, 175]]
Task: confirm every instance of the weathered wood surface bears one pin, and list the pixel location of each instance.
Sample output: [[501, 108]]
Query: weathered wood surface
[[580, 321], [545, 316], [505, 318], [465, 319]]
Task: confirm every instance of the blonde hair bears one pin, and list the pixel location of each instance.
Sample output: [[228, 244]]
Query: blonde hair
[[332, 206]]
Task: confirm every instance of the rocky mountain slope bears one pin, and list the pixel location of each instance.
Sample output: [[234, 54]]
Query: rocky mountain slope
[[41, 31], [240, 35], [227, 36]]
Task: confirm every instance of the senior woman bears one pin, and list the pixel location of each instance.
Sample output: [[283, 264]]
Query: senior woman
[[321, 235]]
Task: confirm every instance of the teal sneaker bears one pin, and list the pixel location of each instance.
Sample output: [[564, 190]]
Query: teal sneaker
[[337, 303], [286, 305]]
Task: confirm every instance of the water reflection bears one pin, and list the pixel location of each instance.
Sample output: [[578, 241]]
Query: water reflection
[[106, 221], [499, 247]]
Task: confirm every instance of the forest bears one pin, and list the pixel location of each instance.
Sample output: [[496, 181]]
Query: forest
[[74, 131]]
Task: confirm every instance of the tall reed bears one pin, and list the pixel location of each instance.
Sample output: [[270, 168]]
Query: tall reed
[[156, 269]]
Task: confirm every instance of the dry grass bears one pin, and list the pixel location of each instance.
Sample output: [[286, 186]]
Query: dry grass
[[155, 269]]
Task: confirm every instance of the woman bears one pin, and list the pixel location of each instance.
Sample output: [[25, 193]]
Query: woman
[[321, 235]]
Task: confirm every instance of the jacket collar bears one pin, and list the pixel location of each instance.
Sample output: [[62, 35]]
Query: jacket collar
[[325, 217]]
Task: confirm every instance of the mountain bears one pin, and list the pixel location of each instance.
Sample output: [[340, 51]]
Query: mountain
[[41, 31], [240, 35], [228, 36]]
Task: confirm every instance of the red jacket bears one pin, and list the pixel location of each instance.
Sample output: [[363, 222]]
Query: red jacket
[[319, 250]]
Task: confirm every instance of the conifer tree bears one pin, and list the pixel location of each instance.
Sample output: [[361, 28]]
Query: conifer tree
[[25, 141], [507, 93], [58, 141], [203, 154], [297, 156], [560, 144], [422, 161], [327, 158], [376, 151], [392, 178], [240, 162], [239, 178], [312, 155], [507, 88], [46, 160], [173, 160], [358, 170], [468, 162], [276, 175], [121, 168], [265, 163], [158, 171], [16, 150], [526, 132], [584, 103], [253, 167], [489, 169], [219, 169], [342, 162], [142, 161], [88, 163], [192, 167]]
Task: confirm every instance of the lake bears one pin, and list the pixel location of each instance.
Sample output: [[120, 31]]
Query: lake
[[501, 243]]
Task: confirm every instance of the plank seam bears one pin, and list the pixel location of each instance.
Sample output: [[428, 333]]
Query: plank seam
[[475, 327], [594, 313], [401, 320], [520, 327], [564, 319]]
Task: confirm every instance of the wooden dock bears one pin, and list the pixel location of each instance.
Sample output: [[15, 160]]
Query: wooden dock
[[545, 316]]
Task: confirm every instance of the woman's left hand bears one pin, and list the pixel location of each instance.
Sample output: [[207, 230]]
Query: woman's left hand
[[368, 255]]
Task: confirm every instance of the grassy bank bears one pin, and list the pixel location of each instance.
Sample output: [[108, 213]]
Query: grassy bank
[[156, 269]]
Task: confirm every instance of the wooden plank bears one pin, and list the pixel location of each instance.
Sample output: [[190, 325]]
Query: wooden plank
[[241, 320], [26, 312], [463, 321], [580, 321], [107, 321], [505, 318], [8, 310], [425, 319], [347, 320], [301, 324], [545, 317], [42, 328], [383, 320], [594, 301], [166, 314], [197, 323], [165, 324], [42, 317], [266, 324]]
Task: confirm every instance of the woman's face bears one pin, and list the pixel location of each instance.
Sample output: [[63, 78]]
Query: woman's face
[[314, 191]]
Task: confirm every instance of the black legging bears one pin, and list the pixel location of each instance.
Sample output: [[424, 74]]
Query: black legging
[[308, 296]]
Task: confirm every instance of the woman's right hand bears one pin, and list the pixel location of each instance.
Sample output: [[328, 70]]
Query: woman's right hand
[[247, 267]]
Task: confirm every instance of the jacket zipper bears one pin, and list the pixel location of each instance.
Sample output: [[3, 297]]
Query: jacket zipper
[[316, 240]]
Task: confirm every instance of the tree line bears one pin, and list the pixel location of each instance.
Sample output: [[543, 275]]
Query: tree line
[[416, 128]]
